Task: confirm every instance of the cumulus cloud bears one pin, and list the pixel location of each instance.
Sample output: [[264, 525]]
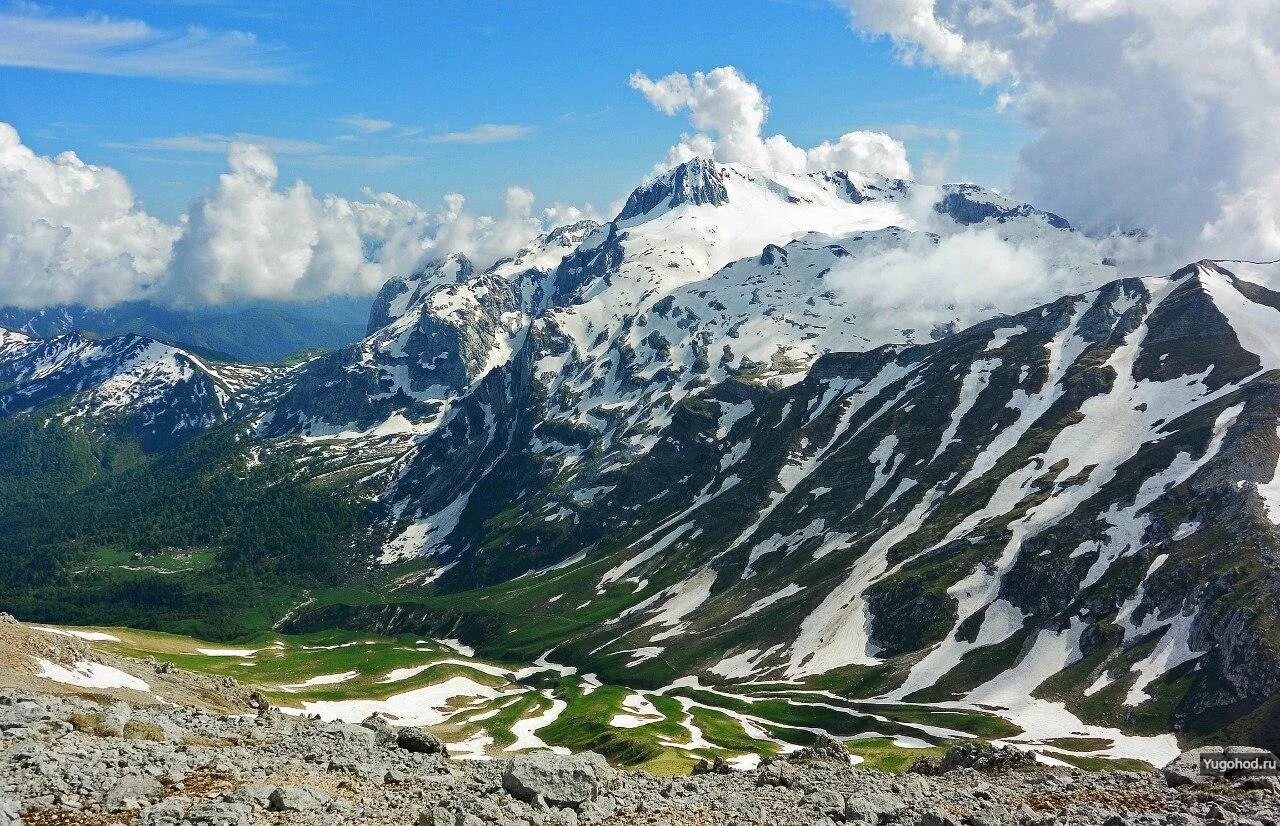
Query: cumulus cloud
[[74, 233], [1153, 115], [482, 238], [70, 231], [249, 239], [245, 239], [920, 34], [729, 113]]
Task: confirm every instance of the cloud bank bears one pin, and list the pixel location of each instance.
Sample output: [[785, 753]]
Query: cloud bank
[[961, 278], [71, 232], [729, 112], [1154, 115]]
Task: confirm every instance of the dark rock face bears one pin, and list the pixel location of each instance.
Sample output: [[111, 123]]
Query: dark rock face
[[982, 757], [420, 741], [967, 204], [694, 182]]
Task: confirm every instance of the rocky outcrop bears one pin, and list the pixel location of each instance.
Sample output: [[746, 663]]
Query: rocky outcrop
[[560, 779], [274, 769]]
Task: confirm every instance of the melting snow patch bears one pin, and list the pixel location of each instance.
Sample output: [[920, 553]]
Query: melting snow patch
[[396, 675], [322, 679], [639, 655], [524, 729], [92, 636], [86, 674], [1173, 650], [1102, 682], [460, 647], [765, 602], [902, 741], [426, 706], [637, 711], [228, 652], [473, 748]]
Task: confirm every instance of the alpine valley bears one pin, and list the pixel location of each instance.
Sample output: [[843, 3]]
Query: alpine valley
[[687, 448]]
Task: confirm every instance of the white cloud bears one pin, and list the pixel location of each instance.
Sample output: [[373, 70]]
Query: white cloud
[[93, 44], [70, 231], [482, 238], [921, 35], [1145, 114], [729, 112], [964, 276], [73, 233], [484, 133], [246, 239]]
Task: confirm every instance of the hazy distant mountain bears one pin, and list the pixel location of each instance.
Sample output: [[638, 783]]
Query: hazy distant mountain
[[262, 332]]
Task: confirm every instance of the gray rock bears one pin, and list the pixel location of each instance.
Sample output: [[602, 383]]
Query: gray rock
[[10, 814], [255, 794], [982, 757], [827, 801], [860, 810], [131, 792], [297, 799], [565, 780], [1184, 770], [776, 774], [936, 817], [1181, 819], [384, 734], [437, 816], [420, 741], [219, 814], [824, 747]]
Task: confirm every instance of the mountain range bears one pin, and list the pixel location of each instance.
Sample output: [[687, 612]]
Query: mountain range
[[259, 332], [697, 441]]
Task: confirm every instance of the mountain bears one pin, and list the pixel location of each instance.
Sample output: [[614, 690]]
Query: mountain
[[262, 333], [128, 385], [690, 443]]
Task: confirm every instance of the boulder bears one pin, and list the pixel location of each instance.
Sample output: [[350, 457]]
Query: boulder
[[982, 757], [825, 748], [717, 766], [776, 773], [384, 734], [437, 816], [560, 779], [827, 801], [420, 741], [297, 799], [131, 792]]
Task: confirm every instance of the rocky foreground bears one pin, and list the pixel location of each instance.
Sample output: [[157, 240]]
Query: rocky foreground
[[71, 760]]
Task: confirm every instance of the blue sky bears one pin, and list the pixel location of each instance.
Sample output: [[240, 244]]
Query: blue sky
[[157, 103]]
